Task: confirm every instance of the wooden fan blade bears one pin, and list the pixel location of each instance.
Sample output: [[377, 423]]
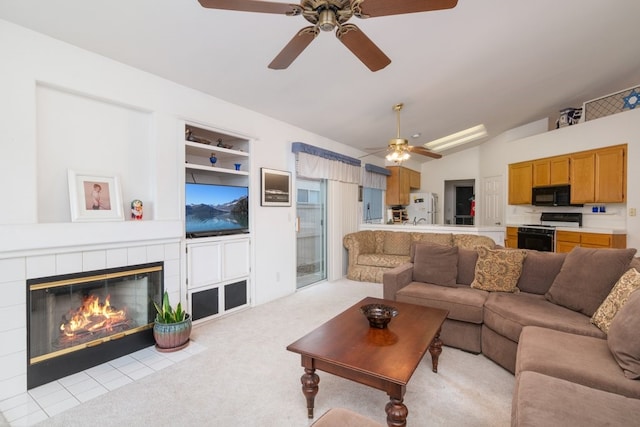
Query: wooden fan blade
[[294, 48], [424, 152], [362, 47], [373, 8], [252, 6]]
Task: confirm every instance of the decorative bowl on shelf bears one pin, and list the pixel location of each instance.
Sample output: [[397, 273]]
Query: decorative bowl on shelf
[[379, 315]]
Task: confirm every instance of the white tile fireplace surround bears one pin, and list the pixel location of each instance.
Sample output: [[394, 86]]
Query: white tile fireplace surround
[[15, 270]]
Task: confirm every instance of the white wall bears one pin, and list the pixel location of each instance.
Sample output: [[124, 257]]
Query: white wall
[[34, 65]]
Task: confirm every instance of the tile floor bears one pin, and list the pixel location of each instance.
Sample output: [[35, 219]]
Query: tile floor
[[50, 399]]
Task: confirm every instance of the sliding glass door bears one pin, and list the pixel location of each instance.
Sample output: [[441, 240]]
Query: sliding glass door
[[311, 240]]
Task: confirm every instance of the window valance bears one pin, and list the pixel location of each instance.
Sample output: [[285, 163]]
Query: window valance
[[375, 176], [319, 163]]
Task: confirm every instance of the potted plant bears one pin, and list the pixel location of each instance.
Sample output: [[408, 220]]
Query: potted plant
[[172, 327]]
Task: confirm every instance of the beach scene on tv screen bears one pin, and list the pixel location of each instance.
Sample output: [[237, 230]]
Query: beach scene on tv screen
[[212, 208]]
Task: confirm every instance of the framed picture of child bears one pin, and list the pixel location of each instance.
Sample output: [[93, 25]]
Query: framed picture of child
[[94, 197]]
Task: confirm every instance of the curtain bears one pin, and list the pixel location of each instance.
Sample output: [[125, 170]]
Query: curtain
[[374, 177], [318, 163]]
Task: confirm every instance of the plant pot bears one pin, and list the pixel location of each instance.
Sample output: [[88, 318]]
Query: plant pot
[[172, 336]]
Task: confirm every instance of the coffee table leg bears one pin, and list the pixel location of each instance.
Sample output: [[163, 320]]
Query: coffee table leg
[[310, 381], [435, 349], [396, 413]]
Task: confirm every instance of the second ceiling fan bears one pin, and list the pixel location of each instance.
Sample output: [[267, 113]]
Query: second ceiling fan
[[325, 15]]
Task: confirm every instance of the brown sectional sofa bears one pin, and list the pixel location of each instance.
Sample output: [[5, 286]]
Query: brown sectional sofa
[[373, 252], [540, 328]]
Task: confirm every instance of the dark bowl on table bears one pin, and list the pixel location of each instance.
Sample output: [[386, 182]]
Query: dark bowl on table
[[379, 315]]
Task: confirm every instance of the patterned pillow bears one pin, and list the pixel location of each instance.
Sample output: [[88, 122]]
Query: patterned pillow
[[498, 269], [629, 282]]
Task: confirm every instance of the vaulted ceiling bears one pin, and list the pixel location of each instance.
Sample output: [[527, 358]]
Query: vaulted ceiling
[[503, 63]]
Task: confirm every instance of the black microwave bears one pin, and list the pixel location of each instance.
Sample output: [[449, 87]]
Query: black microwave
[[552, 196]]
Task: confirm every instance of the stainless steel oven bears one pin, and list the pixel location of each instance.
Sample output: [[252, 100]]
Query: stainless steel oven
[[538, 238]]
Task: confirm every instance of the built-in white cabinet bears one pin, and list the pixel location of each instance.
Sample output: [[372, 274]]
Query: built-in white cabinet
[[218, 261]]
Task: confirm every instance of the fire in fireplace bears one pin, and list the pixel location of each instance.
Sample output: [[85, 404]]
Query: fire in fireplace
[[81, 320]]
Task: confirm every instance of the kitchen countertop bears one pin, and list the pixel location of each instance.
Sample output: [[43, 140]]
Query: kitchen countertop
[[597, 230], [438, 228]]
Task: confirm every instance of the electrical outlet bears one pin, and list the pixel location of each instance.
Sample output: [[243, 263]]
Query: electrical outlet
[[632, 211]]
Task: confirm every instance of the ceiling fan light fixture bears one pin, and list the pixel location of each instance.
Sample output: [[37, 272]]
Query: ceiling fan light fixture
[[327, 20], [465, 136]]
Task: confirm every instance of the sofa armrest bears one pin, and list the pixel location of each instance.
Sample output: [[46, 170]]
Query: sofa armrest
[[396, 279], [358, 243]]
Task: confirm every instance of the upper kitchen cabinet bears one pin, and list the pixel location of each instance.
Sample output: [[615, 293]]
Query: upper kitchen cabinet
[[399, 184], [551, 171], [520, 183], [599, 176]]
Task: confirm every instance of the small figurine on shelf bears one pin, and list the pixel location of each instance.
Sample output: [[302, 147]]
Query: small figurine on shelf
[[237, 165], [213, 159], [136, 209]]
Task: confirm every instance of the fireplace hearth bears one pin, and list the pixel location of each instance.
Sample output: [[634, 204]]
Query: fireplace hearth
[[81, 320]]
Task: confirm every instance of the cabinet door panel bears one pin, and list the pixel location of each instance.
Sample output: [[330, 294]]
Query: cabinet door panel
[[583, 178], [541, 173], [559, 170], [610, 175], [236, 259], [204, 265], [520, 183]]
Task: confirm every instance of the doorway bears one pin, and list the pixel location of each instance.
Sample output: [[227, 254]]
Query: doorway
[[311, 238], [459, 202]]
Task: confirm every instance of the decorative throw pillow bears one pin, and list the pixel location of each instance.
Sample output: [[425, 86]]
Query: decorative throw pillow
[[629, 282], [623, 338], [587, 276], [539, 270], [498, 269], [435, 264], [467, 259]]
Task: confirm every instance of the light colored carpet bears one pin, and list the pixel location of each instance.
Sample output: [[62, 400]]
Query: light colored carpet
[[246, 377]]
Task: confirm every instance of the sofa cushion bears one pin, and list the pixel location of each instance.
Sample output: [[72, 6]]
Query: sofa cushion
[[467, 259], [381, 260], [498, 269], [576, 358], [624, 339], [473, 241], [539, 269], [586, 277], [541, 400], [397, 243], [464, 303], [629, 282], [435, 264], [445, 239], [507, 314]]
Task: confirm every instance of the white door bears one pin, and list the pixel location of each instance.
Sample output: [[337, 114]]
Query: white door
[[492, 209]]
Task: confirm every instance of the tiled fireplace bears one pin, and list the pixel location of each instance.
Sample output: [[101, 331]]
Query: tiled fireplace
[[20, 273], [77, 321]]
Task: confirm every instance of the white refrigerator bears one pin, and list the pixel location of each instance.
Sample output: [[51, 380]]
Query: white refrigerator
[[422, 208]]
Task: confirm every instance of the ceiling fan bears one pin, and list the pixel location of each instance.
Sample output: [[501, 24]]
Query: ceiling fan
[[399, 149], [325, 15]]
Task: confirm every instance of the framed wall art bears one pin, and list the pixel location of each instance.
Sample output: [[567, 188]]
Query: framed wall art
[[275, 187], [94, 197]]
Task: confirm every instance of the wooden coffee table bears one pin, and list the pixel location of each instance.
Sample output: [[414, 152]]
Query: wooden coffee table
[[385, 359]]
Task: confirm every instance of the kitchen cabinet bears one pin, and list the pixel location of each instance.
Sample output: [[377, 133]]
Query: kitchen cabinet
[[551, 171], [512, 238], [599, 176], [399, 184], [520, 183], [567, 240]]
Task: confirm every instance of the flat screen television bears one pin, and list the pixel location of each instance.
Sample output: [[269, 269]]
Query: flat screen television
[[216, 210]]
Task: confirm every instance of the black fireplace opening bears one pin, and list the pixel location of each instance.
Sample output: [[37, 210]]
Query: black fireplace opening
[[77, 321]]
